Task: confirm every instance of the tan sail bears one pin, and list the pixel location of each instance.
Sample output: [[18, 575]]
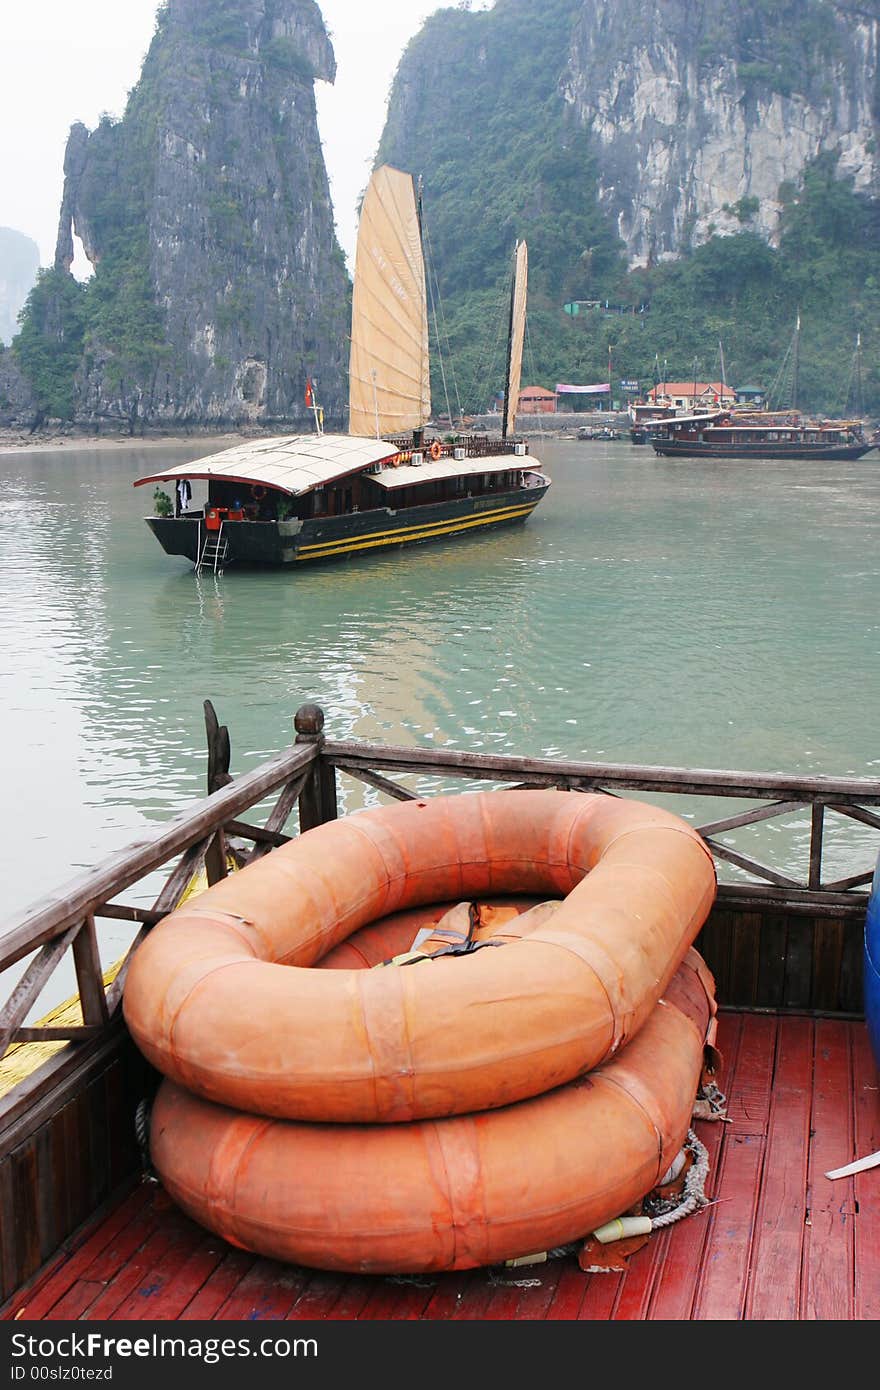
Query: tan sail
[[389, 388], [517, 335]]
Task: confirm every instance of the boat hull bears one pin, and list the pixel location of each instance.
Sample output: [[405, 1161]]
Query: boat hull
[[278, 544], [694, 449], [453, 1193]]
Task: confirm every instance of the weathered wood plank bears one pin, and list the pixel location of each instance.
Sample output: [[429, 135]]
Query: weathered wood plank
[[761, 813], [774, 1293], [828, 1292], [72, 1033], [798, 965], [279, 816], [828, 938], [218, 1286], [752, 866], [38, 1301], [817, 832], [864, 1185], [771, 971], [691, 781], [382, 784], [745, 960], [90, 974], [170, 1295], [31, 985], [748, 1068]]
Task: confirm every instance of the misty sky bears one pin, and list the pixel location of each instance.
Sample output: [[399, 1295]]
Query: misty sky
[[71, 60]]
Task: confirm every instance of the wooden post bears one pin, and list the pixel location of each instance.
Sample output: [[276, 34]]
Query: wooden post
[[218, 776], [317, 803], [89, 977]]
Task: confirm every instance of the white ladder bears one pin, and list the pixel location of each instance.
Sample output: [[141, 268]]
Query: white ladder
[[213, 552]]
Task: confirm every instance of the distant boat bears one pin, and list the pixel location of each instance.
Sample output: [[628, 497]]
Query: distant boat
[[760, 435], [764, 434], [284, 500], [598, 432]]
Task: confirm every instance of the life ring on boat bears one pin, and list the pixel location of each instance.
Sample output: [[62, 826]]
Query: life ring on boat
[[435, 450], [221, 997], [258, 492], [452, 1193]]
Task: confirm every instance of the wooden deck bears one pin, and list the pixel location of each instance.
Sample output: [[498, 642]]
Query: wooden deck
[[780, 1241]]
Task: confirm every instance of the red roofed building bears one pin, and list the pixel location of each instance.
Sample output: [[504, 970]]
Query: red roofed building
[[692, 395], [536, 400]]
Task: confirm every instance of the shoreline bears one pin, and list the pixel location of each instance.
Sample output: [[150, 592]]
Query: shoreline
[[22, 442], [16, 441]]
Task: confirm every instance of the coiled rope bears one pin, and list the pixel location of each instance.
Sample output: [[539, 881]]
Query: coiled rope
[[664, 1211], [142, 1134]]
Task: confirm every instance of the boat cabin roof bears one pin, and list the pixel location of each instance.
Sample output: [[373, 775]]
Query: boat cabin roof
[[294, 463], [409, 474], [703, 417]]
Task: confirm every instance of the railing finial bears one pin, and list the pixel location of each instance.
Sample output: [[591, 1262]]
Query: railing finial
[[308, 722]]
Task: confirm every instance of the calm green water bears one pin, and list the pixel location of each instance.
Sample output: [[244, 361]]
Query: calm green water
[[723, 616]]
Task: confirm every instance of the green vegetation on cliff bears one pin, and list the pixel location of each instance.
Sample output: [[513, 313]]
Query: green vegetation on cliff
[[49, 347], [502, 160], [740, 292]]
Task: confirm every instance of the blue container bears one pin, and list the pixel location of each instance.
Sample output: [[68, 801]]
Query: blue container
[[872, 965]]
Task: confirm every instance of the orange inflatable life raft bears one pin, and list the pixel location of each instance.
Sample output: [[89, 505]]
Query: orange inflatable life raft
[[221, 997], [451, 1193]]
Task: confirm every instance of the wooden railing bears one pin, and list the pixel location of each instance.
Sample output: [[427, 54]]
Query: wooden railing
[[304, 778], [69, 1134]]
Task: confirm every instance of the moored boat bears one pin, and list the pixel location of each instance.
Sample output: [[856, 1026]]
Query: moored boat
[[759, 435], [387, 481]]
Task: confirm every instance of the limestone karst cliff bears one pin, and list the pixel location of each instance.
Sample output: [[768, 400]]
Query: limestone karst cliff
[[696, 113], [701, 113], [219, 284], [714, 164]]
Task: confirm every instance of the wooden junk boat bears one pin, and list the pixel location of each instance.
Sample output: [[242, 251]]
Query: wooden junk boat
[[387, 482], [726, 434], [557, 872]]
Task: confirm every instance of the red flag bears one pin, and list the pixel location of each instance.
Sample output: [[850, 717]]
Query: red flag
[[310, 398]]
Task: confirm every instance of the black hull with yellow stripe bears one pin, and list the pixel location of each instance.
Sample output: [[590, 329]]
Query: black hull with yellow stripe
[[278, 543]]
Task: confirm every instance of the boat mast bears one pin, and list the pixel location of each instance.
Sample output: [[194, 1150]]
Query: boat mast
[[507, 382], [797, 357], [418, 185], [515, 338]]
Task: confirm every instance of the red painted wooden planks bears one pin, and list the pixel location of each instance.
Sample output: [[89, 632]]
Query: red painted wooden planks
[[218, 1286], [828, 1238], [267, 1292], [730, 1222], [37, 1302], [866, 1186], [568, 1294], [774, 1289], [819, 1108], [319, 1296]]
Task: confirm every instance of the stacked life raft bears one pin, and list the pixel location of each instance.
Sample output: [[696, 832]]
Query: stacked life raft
[[509, 1075]]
